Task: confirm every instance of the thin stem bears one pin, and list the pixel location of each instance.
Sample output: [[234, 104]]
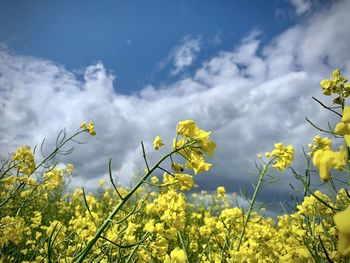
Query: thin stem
[[57, 149], [326, 107], [183, 245], [111, 179], [88, 208], [261, 177], [318, 128], [144, 156], [348, 153]]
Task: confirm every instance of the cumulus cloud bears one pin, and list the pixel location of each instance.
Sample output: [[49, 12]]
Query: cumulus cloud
[[301, 6], [250, 97]]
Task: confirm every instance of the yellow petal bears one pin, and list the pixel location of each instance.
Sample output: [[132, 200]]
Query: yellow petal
[[324, 171], [342, 221], [346, 114], [347, 140], [340, 128]]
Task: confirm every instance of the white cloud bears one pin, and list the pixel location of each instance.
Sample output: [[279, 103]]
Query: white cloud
[[250, 97], [301, 6], [183, 55]]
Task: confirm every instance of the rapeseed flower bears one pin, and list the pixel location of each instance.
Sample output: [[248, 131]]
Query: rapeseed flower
[[343, 127], [336, 85], [327, 86], [319, 144], [149, 226], [342, 221], [176, 256], [188, 128], [283, 156], [157, 143], [324, 160], [154, 179], [220, 191], [25, 162], [177, 167], [198, 164], [199, 146], [90, 128], [185, 180]]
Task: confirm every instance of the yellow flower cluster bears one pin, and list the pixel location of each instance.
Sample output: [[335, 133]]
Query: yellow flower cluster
[[336, 85], [282, 156], [200, 145], [320, 144], [54, 178], [90, 128], [157, 223], [24, 160]]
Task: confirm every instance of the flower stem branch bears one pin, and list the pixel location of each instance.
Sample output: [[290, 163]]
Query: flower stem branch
[[261, 177]]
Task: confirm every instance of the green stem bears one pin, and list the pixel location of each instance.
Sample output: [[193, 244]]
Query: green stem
[[261, 177], [183, 245], [348, 161], [82, 255], [57, 149]]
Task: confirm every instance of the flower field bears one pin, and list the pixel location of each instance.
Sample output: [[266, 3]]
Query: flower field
[[160, 220]]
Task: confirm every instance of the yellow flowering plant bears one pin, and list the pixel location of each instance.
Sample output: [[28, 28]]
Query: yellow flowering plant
[[194, 143]]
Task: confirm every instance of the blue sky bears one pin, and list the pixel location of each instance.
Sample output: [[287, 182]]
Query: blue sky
[[131, 38], [246, 70]]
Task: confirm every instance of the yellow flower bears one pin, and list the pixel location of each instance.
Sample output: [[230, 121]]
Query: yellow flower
[[177, 167], [198, 164], [177, 256], [337, 85], [337, 78], [283, 155], [343, 127], [324, 160], [208, 147], [346, 115], [157, 143], [342, 221], [54, 178], [24, 158], [102, 182], [186, 128], [149, 226], [189, 129], [154, 179], [336, 74], [221, 190], [327, 86], [90, 127], [186, 181], [321, 143], [70, 168]]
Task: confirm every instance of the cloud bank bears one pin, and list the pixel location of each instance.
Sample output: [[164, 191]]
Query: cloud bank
[[250, 97]]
